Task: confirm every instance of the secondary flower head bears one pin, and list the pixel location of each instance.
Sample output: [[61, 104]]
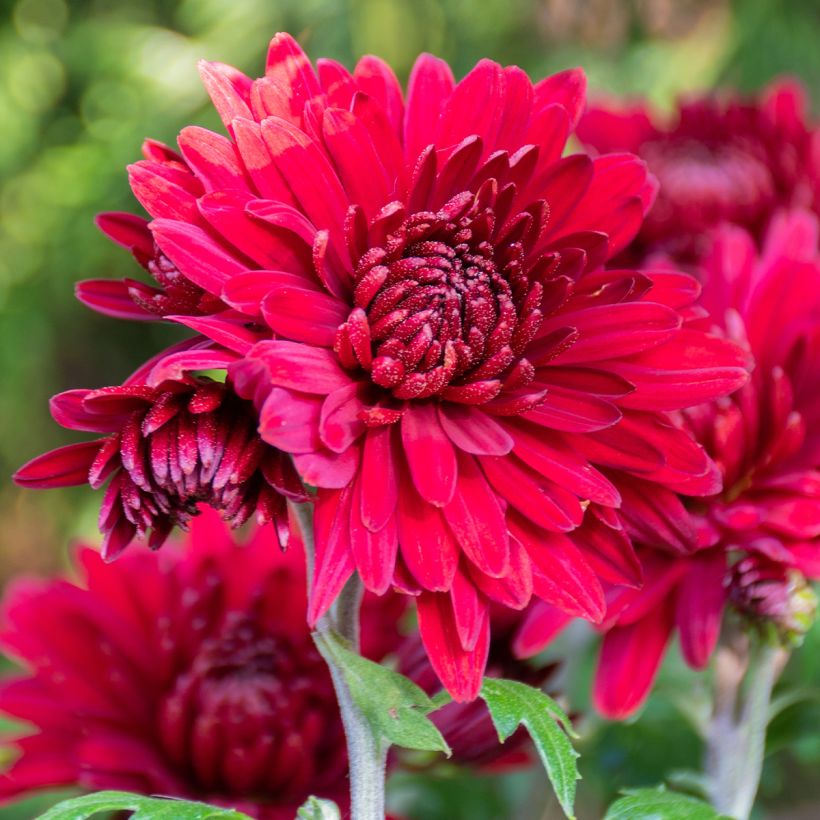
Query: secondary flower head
[[752, 544], [188, 673], [734, 160], [169, 445], [413, 288]]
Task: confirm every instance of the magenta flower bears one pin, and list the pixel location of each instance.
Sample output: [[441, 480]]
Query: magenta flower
[[189, 673], [169, 445], [746, 544], [735, 161], [441, 350]]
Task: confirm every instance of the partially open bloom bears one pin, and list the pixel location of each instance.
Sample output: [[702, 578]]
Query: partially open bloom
[[735, 160], [441, 350], [752, 544], [188, 673], [169, 444]]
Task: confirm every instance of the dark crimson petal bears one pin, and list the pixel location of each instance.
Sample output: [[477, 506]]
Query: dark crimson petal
[[111, 297], [541, 623], [630, 657], [63, 467], [701, 598], [460, 671]]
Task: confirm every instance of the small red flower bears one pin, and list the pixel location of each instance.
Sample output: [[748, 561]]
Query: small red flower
[[734, 160], [745, 545], [206, 683], [170, 444], [413, 288], [188, 673]]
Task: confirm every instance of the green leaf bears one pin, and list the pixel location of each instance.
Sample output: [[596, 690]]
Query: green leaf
[[317, 809], [394, 706], [660, 804], [512, 704], [143, 808]]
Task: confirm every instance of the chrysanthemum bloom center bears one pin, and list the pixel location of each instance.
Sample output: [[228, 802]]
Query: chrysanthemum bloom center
[[441, 310], [261, 696]]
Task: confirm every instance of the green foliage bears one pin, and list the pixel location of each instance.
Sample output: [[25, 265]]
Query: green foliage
[[393, 705], [142, 808], [512, 704], [318, 809], [660, 804]]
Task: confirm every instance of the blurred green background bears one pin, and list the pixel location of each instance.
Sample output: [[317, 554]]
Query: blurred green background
[[82, 83]]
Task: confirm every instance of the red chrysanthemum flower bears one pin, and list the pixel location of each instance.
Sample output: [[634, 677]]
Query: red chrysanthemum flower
[[446, 358], [189, 673], [170, 444], [734, 160], [750, 544]]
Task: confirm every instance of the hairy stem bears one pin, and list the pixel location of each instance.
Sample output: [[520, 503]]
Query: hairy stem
[[736, 738], [366, 752]]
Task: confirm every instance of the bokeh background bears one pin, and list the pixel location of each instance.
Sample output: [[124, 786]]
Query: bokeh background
[[83, 82]]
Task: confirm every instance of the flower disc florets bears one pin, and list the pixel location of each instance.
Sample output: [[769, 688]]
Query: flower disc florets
[[440, 310]]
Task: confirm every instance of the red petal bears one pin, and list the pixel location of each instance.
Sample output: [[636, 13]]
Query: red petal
[[430, 454], [630, 658], [195, 253], [430, 85], [427, 546], [514, 590], [212, 158], [326, 469], [63, 467], [223, 84], [334, 558], [700, 606], [301, 367], [374, 552], [561, 576], [303, 315], [470, 610], [291, 422], [461, 672], [539, 499], [473, 431], [111, 297], [379, 478], [477, 520], [574, 412], [541, 623], [548, 455], [340, 424], [567, 89]]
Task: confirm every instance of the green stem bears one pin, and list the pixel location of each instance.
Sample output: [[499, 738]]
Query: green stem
[[367, 754], [736, 739]]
